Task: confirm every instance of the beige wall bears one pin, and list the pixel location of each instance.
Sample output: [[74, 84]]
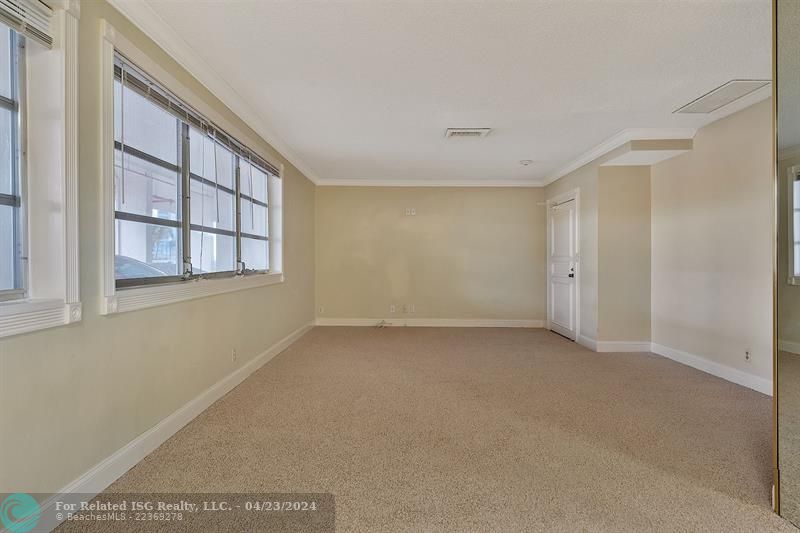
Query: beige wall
[[623, 235], [474, 253], [587, 180], [712, 244], [73, 395]]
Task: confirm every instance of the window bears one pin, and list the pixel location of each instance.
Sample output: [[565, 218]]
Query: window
[[190, 210], [212, 176], [794, 225], [39, 256], [12, 278], [147, 188]]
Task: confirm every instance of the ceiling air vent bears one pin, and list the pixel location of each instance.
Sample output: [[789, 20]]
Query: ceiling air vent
[[722, 96], [466, 132]]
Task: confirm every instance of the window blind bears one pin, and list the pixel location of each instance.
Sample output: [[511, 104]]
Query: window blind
[[137, 81], [29, 17]]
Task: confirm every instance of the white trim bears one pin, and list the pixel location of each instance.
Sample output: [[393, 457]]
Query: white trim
[[698, 362], [587, 342], [99, 477], [154, 295], [433, 322], [107, 248], [71, 139], [573, 194], [622, 346], [715, 369], [115, 300], [30, 315], [362, 182], [24, 316], [623, 137], [147, 20], [789, 346]]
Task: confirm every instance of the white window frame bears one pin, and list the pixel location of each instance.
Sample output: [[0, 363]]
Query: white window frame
[[792, 174], [52, 268], [118, 300]]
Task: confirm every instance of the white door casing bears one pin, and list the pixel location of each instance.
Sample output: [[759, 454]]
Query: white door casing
[[562, 265]]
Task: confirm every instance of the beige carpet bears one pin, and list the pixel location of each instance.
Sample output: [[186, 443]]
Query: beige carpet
[[428, 429]]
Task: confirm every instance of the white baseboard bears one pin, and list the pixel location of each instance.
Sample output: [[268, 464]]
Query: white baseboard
[[695, 361], [432, 322], [103, 474], [588, 342], [716, 369], [622, 346], [789, 346]]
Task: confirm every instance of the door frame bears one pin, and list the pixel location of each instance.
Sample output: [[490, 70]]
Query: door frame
[[574, 194]]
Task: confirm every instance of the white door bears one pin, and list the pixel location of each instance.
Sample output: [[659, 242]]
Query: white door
[[562, 267]]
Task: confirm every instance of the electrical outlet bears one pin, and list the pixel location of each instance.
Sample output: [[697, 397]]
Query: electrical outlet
[[233, 355], [411, 211], [392, 308], [321, 309], [405, 308], [747, 355]]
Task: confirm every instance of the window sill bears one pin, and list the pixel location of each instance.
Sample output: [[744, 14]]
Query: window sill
[[793, 280], [24, 316], [133, 299]]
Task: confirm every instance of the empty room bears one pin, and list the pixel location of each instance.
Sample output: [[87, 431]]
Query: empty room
[[424, 266]]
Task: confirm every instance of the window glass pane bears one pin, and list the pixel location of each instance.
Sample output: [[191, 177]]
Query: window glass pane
[[797, 259], [8, 180], [202, 153], [8, 252], [796, 194], [145, 126], [145, 250], [253, 180], [10, 245], [117, 110], [147, 189], [212, 207], [213, 253], [255, 254], [6, 62], [254, 218], [796, 228]]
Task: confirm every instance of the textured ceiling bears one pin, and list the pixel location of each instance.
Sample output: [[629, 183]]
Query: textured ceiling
[[365, 90]]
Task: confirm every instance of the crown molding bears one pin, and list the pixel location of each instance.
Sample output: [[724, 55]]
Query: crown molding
[[144, 17], [640, 134], [156, 28], [621, 138], [367, 182]]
